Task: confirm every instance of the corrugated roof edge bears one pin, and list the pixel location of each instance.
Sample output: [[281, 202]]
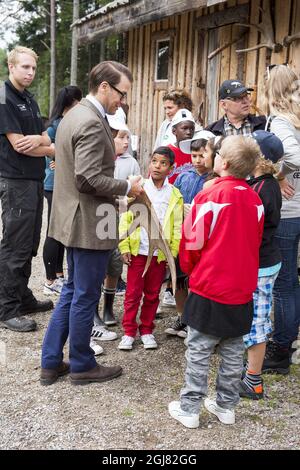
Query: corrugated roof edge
[[102, 11]]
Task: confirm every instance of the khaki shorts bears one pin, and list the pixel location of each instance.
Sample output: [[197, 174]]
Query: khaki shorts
[[115, 264]]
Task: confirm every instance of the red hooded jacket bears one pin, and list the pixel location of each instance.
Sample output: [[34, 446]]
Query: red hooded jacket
[[221, 236]]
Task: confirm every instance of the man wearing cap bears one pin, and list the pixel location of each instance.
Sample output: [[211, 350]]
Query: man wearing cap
[[235, 100]]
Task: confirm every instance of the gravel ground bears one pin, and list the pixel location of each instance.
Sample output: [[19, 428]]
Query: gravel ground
[[131, 411]]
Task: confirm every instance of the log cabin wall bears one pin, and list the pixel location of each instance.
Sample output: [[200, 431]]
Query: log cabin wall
[[189, 67]]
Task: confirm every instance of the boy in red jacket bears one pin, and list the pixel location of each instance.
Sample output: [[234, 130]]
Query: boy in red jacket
[[219, 250]]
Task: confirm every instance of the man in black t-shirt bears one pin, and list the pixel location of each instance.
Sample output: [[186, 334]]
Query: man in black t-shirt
[[23, 146]]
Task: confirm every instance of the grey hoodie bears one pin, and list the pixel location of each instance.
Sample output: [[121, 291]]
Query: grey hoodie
[[126, 165], [290, 137]]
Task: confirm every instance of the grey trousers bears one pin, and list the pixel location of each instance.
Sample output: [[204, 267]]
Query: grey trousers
[[200, 348]]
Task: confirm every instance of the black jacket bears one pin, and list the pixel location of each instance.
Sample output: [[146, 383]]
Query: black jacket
[[19, 114], [268, 189], [257, 123]]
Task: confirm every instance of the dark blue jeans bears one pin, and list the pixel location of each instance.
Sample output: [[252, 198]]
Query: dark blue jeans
[[286, 289], [74, 313]]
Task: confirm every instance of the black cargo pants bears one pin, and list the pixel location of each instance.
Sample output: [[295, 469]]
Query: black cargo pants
[[22, 209]]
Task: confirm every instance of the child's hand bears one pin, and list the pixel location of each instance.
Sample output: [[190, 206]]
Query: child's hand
[[122, 204], [126, 258], [287, 190]]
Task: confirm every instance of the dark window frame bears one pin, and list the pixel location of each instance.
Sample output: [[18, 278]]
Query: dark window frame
[[157, 49]]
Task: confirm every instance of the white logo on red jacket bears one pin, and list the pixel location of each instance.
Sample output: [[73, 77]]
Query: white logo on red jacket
[[260, 211], [207, 207]]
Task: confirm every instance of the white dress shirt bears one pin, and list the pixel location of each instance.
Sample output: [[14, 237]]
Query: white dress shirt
[[97, 104], [160, 199]]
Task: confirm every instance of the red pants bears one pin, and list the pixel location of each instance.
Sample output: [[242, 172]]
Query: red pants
[[149, 285]]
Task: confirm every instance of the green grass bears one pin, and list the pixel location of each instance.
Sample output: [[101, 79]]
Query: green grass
[[128, 413]]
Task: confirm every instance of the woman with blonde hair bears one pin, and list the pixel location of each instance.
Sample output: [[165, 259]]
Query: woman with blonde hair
[[283, 100]]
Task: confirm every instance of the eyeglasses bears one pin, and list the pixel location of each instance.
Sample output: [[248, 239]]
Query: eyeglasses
[[238, 99], [121, 93]]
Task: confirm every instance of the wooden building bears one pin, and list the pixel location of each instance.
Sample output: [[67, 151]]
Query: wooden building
[[192, 44]]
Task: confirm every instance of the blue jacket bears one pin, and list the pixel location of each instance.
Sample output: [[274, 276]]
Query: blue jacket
[[189, 184], [49, 178]]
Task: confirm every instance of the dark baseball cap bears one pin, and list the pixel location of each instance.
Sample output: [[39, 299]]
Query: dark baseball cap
[[232, 88], [270, 145]]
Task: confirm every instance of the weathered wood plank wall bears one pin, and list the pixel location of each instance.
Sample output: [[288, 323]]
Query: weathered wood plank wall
[[190, 68]]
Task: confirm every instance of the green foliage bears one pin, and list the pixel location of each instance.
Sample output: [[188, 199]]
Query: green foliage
[[3, 66], [34, 32]]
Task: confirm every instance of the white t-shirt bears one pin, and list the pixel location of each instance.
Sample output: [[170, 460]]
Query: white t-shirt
[[160, 199]]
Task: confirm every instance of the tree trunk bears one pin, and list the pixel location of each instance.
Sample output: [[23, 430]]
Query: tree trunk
[[52, 54], [74, 52]]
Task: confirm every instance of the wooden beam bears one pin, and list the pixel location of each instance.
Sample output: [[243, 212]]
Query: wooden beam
[[165, 33], [131, 16], [238, 14], [282, 25], [252, 57], [294, 49], [213, 2]]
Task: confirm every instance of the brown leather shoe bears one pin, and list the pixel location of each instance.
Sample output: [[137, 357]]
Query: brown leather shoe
[[97, 374], [49, 376]]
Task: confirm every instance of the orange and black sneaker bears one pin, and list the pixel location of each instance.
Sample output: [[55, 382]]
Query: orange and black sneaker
[[253, 392]]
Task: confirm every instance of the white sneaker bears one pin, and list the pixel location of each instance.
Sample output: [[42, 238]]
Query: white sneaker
[[188, 420], [96, 348], [100, 333], [295, 358], [159, 309], [168, 300], [177, 329], [126, 343], [224, 415], [61, 280], [53, 289], [149, 341]]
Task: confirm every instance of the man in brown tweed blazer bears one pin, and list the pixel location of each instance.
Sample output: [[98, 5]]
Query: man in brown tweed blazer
[[83, 218]]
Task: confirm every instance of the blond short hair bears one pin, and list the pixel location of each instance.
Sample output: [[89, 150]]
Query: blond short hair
[[242, 154], [12, 57]]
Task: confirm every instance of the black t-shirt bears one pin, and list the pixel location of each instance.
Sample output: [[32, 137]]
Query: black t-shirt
[[216, 319], [19, 114]]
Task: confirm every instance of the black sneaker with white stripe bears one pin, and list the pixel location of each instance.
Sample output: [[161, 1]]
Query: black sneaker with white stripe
[[177, 329], [121, 287]]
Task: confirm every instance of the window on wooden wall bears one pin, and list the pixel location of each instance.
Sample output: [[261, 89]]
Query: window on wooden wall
[[162, 59]]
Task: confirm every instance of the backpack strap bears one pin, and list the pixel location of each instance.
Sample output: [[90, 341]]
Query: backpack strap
[[268, 123]]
